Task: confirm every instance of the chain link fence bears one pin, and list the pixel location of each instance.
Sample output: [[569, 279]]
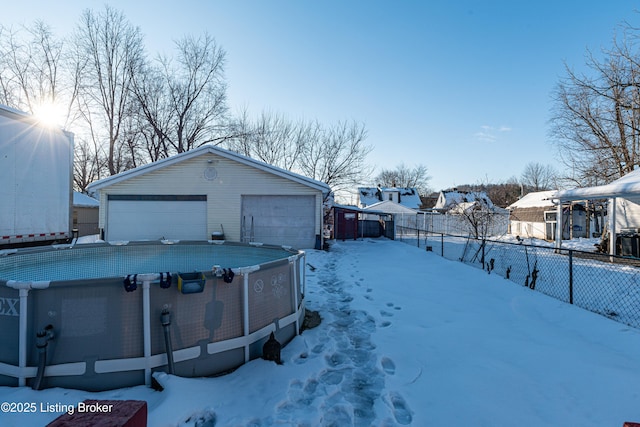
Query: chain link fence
[[605, 284], [483, 222]]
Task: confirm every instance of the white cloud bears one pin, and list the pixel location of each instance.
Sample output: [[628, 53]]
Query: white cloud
[[489, 133]]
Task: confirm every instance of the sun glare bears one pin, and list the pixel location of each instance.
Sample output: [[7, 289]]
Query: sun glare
[[49, 114]]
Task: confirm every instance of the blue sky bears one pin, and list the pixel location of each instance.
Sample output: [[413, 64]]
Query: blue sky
[[463, 87]]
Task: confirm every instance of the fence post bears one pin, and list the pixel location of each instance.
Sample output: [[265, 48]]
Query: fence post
[[418, 236], [570, 276], [442, 245]]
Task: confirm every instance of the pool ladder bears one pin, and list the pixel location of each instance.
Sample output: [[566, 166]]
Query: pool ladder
[[247, 230]]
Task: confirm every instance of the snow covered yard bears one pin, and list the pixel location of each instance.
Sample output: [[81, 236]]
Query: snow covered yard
[[408, 338]]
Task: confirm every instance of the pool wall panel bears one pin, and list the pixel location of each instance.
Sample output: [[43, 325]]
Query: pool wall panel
[[99, 327]]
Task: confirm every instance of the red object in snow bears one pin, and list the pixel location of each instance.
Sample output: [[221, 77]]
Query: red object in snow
[[104, 413], [630, 424]]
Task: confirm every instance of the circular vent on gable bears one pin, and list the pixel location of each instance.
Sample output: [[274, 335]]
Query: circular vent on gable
[[210, 173]]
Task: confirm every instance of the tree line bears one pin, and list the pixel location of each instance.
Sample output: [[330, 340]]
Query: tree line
[[595, 122], [127, 108]]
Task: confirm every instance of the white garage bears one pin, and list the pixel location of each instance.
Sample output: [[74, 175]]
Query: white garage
[[194, 194]]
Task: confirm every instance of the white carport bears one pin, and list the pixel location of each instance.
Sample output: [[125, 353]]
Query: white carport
[[624, 198]]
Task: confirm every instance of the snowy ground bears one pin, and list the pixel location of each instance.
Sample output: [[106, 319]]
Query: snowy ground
[[409, 338]]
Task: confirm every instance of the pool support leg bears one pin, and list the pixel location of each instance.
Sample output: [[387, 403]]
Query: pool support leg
[[146, 322], [23, 289], [22, 352], [246, 314], [294, 267]]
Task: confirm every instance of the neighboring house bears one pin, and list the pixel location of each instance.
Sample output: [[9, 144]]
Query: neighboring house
[[404, 196], [462, 200], [85, 214], [534, 215], [207, 191]]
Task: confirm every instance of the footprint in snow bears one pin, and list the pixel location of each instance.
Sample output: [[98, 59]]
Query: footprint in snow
[[331, 377], [385, 313], [388, 365], [302, 358], [401, 410], [392, 305], [336, 359]]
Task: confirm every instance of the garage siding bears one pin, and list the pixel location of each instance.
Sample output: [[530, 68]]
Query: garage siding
[[224, 193]]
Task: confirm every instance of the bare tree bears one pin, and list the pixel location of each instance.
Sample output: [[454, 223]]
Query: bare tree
[[478, 216], [405, 176], [538, 176], [596, 121], [86, 164], [35, 73], [154, 116], [196, 92], [335, 155], [338, 156], [272, 138], [112, 50]]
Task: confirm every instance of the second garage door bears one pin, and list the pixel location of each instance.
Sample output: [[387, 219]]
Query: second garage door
[[280, 220]]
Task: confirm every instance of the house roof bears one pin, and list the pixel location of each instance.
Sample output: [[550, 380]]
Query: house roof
[[409, 196], [390, 207], [449, 198], [231, 155], [535, 199], [627, 187], [82, 200]]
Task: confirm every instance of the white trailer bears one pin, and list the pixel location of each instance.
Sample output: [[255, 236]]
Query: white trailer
[[36, 180]]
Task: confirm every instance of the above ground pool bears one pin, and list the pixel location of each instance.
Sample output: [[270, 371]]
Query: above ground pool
[[106, 315]]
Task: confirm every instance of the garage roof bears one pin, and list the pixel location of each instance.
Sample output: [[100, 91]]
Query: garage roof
[[100, 184]]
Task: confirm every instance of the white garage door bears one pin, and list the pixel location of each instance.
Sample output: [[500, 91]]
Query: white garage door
[[143, 217], [280, 220]]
